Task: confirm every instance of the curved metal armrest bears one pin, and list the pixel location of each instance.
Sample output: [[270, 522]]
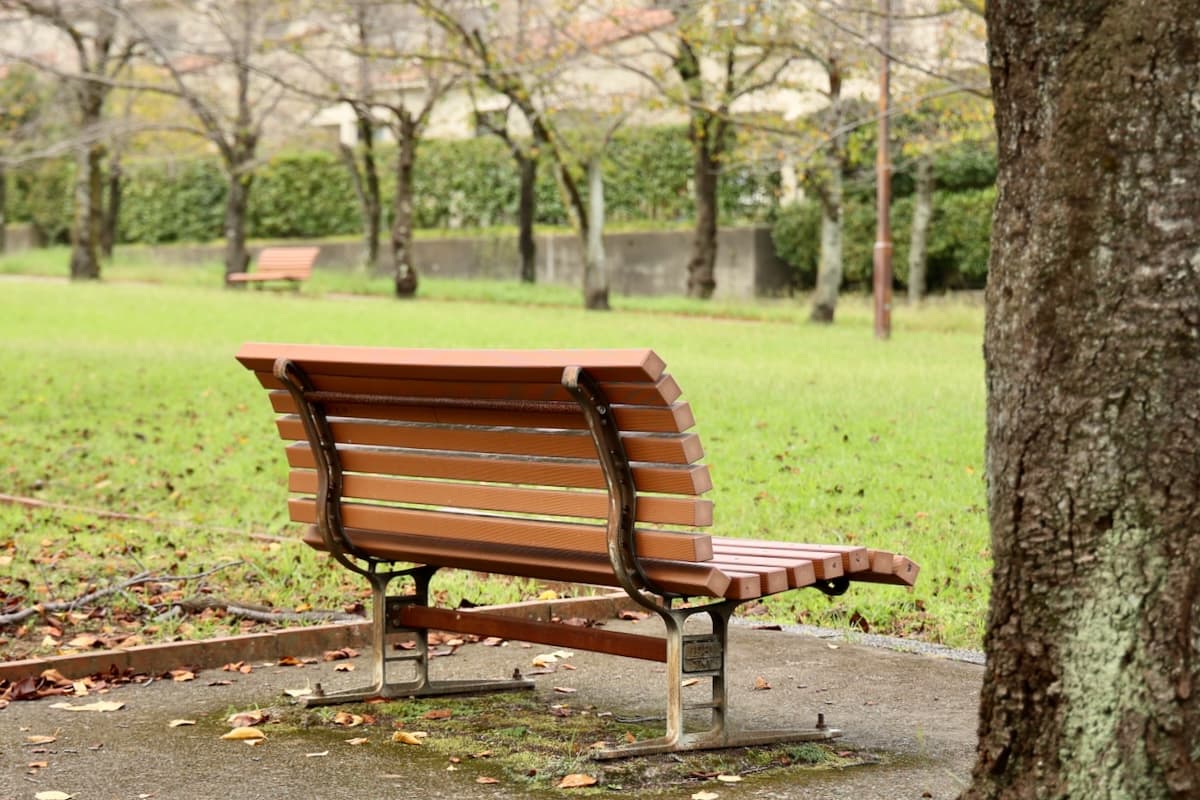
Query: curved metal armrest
[[622, 494], [329, 467]]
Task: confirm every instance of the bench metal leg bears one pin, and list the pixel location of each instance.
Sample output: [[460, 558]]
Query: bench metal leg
[[386, 625], [704, 656]]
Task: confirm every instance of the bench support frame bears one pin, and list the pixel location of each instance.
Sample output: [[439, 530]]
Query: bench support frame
[[687, 656]]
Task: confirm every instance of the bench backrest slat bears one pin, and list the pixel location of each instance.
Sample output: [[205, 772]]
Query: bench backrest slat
[[663, 510], [664, 392], [667, 448], [287, 260]]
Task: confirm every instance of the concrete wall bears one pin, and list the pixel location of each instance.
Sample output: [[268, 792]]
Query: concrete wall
[[642, 263]]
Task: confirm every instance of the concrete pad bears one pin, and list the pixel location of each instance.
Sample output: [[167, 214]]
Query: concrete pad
[[917, 712]]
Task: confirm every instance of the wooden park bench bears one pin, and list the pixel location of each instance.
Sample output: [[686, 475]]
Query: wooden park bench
[[562, 465], [291, 264]]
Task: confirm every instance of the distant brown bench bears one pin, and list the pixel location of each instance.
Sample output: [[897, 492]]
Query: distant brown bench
[[563, 465], [291, 264]]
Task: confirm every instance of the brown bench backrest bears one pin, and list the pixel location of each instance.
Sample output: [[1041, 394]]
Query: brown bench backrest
[[487, 446], [288, 262]]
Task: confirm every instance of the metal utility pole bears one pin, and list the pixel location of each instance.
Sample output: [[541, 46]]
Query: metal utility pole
[[883, 186]]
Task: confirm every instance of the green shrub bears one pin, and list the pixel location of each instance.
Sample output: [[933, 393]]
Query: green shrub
[[959, 240], [172, 201], [44, 197], [302, 195]]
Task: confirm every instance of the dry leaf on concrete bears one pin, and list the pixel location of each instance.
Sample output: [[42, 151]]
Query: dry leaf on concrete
[[99, 705], [244, 733]]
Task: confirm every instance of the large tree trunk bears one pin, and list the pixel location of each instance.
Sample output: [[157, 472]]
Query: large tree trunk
[[1092, 684], [595, 270], [701, 269], [526, 206], [918, 237], [86, 226], [402, 217], [237, 201], [830, 266]]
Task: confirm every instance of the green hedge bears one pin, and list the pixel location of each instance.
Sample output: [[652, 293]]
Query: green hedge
[[464, 183], [959, 239]]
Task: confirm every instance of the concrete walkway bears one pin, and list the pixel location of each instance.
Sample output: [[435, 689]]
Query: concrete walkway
[[916, 712]]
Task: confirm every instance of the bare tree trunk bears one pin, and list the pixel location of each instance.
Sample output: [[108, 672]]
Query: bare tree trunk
[[85, 229], [3, 208], [1092, 683], [595, 271], [918, 241], [701, 270], [526, 206], [112, 206], [402, 222], [366, 189], [237, 201], [830, 266]]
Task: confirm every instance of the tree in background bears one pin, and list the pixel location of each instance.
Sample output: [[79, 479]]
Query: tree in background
[[220, 60], [528, 71], [1092, 683], [103, 46], [21, 101]]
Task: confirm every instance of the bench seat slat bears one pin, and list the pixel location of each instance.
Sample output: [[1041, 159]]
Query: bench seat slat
[[474, 528], [663, 392], [825, 565], [771, 580], [689, 511], [545, 366], [665, 479], [853, 559], [668, 448], [679, 577], [800, 572], [676, 418]]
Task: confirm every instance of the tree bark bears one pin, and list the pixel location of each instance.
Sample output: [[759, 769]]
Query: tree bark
[[701, 270], [527, 166], [85, 228], [402, 216], [595, 270], [112, 206], [3, 209], [366, 185], [830, 266], [918, 238], [1092, 683], [237, 201]]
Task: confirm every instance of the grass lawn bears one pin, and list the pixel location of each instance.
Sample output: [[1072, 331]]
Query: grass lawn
[[126, 398]]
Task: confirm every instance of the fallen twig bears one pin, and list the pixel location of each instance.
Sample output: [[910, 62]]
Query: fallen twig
[[71, 605], [260, 614]]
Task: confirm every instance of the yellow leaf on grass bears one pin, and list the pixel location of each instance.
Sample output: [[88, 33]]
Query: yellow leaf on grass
[[100, 705], [729, 778], [347, 720], [244, 734], [549, 594], [576, 780], [705, 796]]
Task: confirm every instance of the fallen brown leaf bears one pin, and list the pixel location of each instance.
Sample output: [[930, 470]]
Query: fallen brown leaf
[[179, 723], [41, 739], [244, 719], [347, 720], [576, 780], [486, 780], [438, 713], [99, 705], [404, 737], [760, 683]]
